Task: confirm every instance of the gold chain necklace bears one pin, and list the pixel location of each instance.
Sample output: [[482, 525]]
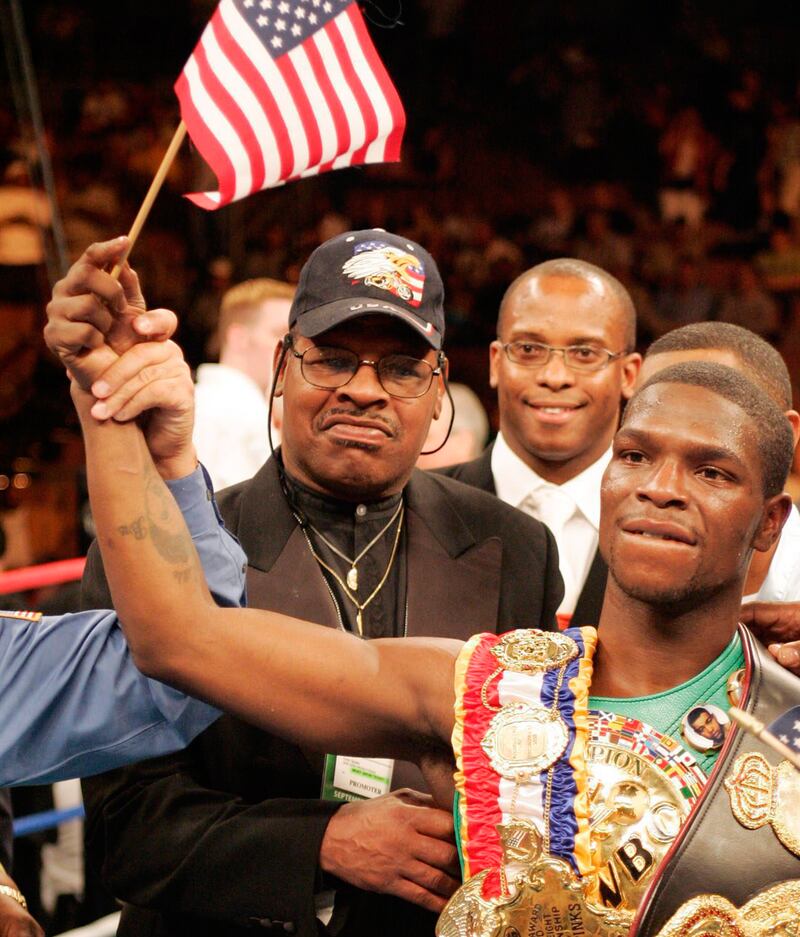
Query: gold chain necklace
[[360, 606], [352, 573]]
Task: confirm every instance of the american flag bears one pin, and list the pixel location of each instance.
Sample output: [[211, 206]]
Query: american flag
[[787, 728], [279, 89], [401, 272]]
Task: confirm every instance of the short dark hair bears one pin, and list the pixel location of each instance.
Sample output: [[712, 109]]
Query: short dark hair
[[697, 711], [762, 363], [772, 429], [581, 270]]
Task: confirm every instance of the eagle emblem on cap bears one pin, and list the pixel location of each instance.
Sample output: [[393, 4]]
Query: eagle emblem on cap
[[388, 268]]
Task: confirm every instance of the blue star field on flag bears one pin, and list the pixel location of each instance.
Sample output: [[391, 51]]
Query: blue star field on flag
[[787, 728], [281, 25]]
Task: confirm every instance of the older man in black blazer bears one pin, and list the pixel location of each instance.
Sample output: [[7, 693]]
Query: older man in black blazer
[[341, 529]]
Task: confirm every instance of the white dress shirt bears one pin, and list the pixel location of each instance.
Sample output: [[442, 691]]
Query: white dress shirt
[[230, 425], [571, 511], [782, 583]]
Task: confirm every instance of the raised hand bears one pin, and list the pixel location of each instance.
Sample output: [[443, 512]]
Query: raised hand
[[92, 318], [117, 349], [151, 381]]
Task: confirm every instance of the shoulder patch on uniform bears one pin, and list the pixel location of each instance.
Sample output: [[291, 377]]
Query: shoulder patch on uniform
[[24, 616]]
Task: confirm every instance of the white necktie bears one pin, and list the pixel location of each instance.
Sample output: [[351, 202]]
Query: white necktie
[[550, 505], [554, 507]]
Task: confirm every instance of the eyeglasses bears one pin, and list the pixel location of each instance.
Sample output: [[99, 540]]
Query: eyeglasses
[[399, 375], [577, 357]]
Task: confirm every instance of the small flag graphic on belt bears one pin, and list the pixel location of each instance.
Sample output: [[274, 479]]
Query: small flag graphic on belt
[[280, 89]]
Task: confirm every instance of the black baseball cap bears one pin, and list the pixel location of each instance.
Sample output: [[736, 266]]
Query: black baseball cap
[[366, 273]]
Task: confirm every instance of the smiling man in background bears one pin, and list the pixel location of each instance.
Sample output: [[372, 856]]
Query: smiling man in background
[[562, 364]]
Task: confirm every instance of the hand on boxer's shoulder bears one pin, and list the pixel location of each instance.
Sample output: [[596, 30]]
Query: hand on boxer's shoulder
[[776, 624]]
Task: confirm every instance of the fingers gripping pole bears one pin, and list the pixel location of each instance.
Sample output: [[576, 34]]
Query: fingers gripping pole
[[152, 192]]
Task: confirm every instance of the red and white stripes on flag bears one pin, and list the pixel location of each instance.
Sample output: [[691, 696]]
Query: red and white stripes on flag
[[276, 90], [416, 284]]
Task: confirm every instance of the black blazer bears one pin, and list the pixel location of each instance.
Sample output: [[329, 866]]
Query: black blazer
[[478, 473], [226, 835]]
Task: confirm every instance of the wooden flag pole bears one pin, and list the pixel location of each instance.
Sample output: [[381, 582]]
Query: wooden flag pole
[[756, 727], [152, 192]]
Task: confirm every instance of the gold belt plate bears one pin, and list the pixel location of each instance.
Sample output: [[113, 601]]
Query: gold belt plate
[[761, 794], [529, 650], [523, 740], [773, 913], [550, 901], [636, 813]]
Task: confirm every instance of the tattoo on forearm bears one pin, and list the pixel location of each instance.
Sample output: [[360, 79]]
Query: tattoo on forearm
[[174, 546], [162, 524], [135, 528]]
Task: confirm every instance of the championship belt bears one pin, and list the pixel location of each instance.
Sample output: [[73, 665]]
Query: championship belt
[[642, 787], [569, 821], [520, 739], [564, 815], [734, 869]]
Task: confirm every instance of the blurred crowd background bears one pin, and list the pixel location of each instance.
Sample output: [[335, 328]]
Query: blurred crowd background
[[659, 141]]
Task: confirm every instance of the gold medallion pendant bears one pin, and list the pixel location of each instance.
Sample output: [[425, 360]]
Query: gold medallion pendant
[[524, 740], [528, 650]]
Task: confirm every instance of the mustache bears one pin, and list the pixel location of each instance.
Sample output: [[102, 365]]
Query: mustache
[[357, 413]]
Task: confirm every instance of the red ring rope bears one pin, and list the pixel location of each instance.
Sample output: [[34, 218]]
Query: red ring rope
[[35, 577]]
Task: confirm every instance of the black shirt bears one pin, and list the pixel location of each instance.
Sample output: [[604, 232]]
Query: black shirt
[[350, 527]]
